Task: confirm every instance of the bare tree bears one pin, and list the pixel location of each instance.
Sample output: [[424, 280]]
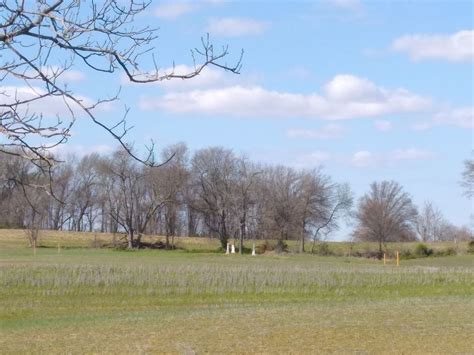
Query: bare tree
[[132, 198], [340, 201], [429, 223], [42, 40], [467, 181], [172, 179], [280, 204], [247, 174], [214, 174], [385, 214]]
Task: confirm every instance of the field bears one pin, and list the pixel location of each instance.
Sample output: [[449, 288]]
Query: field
[[80, 299]]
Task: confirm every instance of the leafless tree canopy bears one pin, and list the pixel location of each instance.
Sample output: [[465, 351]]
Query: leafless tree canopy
[[386, 214], [214, 193], [429, 223], [467, 181], [41, 40]]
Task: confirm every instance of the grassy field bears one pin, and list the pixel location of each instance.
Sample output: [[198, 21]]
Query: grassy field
[[87, 300]]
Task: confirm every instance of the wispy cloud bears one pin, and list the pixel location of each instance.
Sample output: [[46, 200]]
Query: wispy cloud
[[330, 131], [383, 125], [312, 159], [49, 106], [365, 159], [236, 27], [462, 117], [457, 47], [174, 10]]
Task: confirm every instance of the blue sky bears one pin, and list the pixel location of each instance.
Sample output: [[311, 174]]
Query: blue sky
[[371, 90]]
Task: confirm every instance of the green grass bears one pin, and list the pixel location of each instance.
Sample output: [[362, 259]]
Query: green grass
[[84, 300]]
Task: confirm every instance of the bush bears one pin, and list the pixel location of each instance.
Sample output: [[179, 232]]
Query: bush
[[407, 254], [421, 251], [281, 246], [446, 252], [323, 249], [470, 247]]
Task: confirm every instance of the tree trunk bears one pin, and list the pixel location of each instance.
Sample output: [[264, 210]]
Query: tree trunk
[[130, 239], [242, 234], [302, 239]]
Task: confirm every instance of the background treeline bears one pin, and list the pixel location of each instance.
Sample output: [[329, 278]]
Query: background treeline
[[212, 192]]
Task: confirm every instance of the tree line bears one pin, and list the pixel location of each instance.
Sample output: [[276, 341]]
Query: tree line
[[212, 192]]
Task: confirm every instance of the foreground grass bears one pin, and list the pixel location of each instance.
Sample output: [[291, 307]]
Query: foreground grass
[[106, 301]]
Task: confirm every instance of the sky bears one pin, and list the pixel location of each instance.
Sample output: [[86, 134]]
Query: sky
[[369, 90]]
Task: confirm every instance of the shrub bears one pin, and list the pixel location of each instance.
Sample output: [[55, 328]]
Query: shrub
[[421, 251], [323, 249], [470, 247], [406, 254], [281, 246], [446, 252]]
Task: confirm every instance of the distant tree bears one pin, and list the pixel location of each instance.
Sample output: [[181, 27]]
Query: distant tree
[[214, 174], [173, 178], [340, 201], [133, 198], [247, 175], [429, 222], [280, 205], [385, 214], [467, 181]]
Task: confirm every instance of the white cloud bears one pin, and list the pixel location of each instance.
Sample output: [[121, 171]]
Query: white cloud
[[383, 125], [173, 10], [455, 47], [48, 107], [330, 131], [411, 154], [311, 159], [236, 27], [364, 158], [462, 117], [345, 97]]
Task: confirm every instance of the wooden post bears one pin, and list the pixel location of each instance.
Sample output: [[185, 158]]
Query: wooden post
[[232, 249], [253, 249], [59, 248], [398, 258], [34, 247], [227, 250], [384, 258]]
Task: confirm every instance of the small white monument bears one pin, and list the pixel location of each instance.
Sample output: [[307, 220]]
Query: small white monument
[[232, 249], [227, 250], [253, 250]]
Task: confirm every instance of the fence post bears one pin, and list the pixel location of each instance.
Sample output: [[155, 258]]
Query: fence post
[[384, 258], [398, 258]]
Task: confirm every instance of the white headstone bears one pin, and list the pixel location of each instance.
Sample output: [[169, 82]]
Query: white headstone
[[233, 249], [227, 250]]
